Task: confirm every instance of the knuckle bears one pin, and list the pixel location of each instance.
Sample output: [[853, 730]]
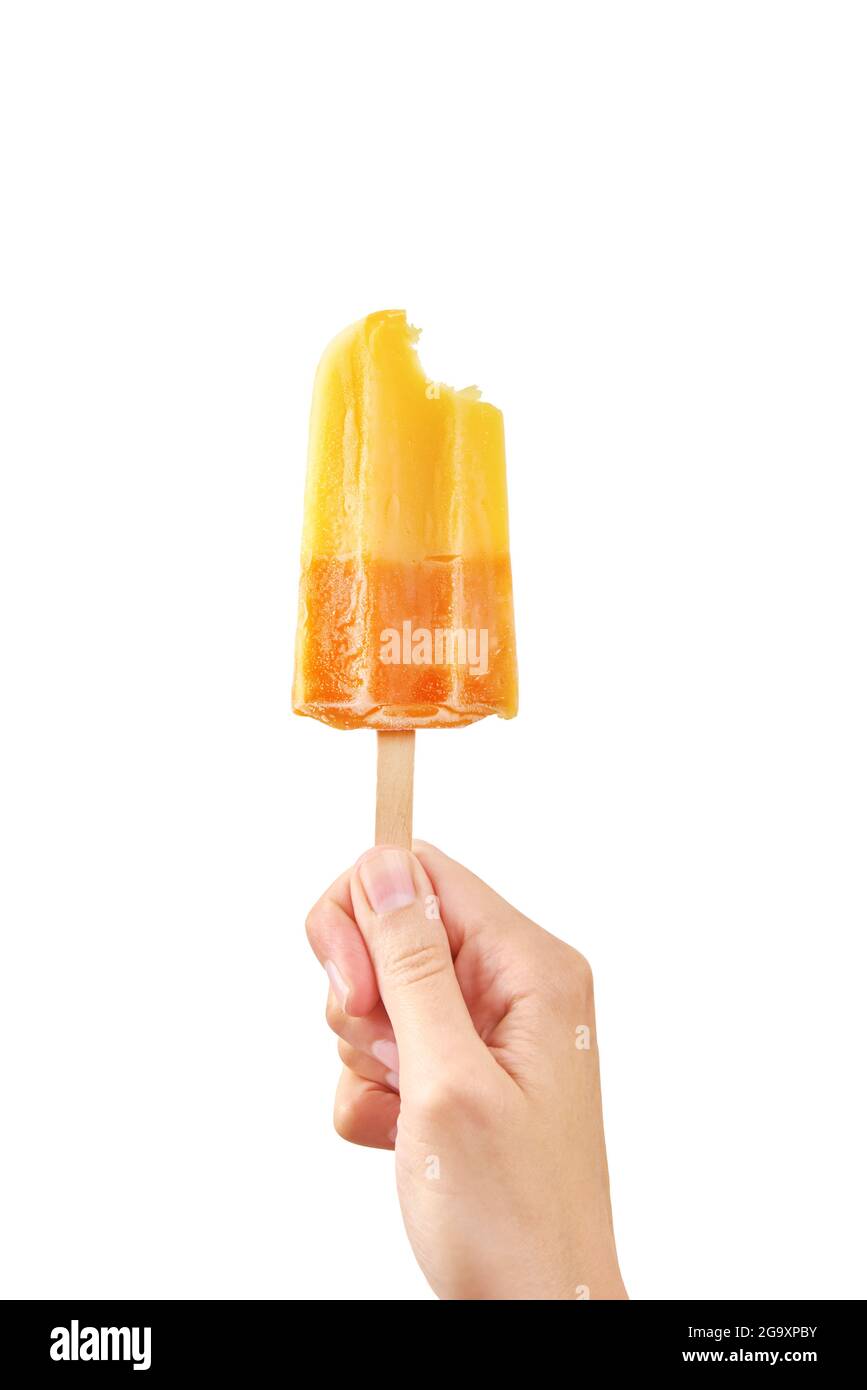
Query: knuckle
[[344, 1119], [580, 972], [411, 963], [334, 1015], [446, 1099], [436, 1100], [570, 978], [311, 923]]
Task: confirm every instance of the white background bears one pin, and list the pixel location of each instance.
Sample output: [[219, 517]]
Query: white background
[[642, 230]]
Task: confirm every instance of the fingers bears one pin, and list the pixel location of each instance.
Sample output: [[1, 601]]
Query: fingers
[[367, 1067], [466, 904], [396, 911], [373, 1034], [365, 1113], [340, 948]]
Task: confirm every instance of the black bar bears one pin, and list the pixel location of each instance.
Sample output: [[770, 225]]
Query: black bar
[[240, 1342]]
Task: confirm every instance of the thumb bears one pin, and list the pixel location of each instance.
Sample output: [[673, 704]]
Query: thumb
[[398, 915]]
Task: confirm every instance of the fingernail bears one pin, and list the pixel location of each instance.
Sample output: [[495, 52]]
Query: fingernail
[[387, 880], [391, 1079], [386, 1053], [338, 984]]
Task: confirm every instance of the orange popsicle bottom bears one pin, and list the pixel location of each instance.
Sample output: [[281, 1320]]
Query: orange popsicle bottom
[[403, 645]]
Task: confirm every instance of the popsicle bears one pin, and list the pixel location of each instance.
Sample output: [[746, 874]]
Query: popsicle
[[405, 616]]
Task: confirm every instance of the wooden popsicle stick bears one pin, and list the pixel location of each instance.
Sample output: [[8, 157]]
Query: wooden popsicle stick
[[395, 754]]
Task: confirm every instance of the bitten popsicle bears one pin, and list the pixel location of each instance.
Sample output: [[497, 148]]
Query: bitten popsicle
[[405, 617]]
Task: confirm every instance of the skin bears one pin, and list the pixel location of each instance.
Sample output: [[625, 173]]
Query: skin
[[468, 1040]]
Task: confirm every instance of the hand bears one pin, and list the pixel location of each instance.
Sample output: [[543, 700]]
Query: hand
[[468, 1039]]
